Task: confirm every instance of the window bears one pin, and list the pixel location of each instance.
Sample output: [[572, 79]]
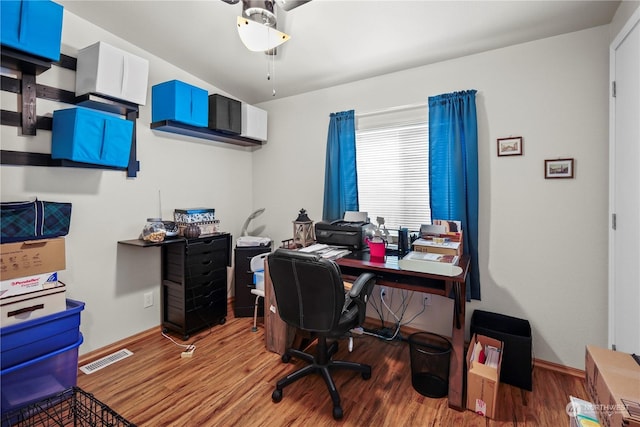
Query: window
[[393, 173]]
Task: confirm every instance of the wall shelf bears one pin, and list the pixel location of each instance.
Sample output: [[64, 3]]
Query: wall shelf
[[203, 133], [29, 91], [22, 158], [20, 61]]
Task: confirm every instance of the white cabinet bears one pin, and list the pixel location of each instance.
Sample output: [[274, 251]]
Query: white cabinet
[[107, 70], [254, 122]]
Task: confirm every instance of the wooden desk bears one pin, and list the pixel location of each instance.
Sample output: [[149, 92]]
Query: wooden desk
[[279, 337]]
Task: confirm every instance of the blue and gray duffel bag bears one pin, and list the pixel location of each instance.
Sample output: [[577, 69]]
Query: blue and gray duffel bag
[[20, 221]]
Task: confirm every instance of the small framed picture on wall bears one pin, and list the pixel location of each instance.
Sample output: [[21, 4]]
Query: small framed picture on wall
[[511, 146], [558, 168]]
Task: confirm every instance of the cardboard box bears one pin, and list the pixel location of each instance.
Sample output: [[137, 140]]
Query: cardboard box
[[613, 384], [206, 228], [189, 216], [23, 285], [483, 379], [22, 259]]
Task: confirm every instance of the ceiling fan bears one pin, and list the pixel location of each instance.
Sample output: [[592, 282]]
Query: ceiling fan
[[257, 25]]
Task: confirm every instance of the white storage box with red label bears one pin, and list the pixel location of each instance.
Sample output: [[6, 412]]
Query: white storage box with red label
[[18, 308], [22, 285], [107, 70]]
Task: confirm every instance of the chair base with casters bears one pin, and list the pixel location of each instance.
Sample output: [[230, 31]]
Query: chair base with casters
[[320, 363], [259, 293]]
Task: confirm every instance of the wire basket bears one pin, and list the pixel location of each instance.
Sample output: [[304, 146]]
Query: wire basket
[[72, 407]]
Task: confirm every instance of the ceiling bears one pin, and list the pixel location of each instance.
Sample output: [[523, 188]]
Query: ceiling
[[332, 41]]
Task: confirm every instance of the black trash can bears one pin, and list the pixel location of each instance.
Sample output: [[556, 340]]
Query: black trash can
[[430, 356], [515, 335]]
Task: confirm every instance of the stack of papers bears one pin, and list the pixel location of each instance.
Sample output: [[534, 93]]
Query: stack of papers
[[487, 355], [326, 251], [434, 244]]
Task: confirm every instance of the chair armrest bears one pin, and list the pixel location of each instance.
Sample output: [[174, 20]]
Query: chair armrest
[[360, 283]]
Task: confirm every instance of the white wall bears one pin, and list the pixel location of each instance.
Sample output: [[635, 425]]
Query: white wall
[[542, 243], [107, 206]]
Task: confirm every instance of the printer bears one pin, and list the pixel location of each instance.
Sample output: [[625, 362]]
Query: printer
[[342, 233]]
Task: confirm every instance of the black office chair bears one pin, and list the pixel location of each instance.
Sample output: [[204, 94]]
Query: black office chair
[[310, 294]]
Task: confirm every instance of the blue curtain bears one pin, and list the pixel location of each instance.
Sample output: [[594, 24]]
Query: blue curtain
[[453, 170], [340, 178]]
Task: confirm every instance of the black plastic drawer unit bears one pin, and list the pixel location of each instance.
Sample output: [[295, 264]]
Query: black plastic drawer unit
[[194, 283]]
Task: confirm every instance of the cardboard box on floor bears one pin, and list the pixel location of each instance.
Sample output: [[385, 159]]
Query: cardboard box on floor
[[482, 380], [30, 258], [613, 384]]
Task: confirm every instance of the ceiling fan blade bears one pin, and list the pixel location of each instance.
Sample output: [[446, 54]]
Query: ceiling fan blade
[[290, 4], [258, 37]]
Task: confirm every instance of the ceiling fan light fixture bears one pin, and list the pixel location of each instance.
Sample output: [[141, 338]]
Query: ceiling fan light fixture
[[258, 37], [290, 4]]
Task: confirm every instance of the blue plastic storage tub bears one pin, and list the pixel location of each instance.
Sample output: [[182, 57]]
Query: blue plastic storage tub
[[90, 136], [39, 377], [24, 341], [34, 27], [180, 102]]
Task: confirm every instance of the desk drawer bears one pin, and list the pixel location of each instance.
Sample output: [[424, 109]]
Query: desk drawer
[[206, 245], [216, 279]]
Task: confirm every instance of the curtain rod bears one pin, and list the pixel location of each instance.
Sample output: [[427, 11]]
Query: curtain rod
[[392, 109]]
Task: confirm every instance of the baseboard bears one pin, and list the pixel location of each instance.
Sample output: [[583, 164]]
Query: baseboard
[[556, 367], [373, 323]]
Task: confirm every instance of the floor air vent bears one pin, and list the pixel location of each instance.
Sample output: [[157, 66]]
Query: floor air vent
[[90, 368]]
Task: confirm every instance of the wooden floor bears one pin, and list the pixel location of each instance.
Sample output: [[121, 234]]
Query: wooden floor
[[229, 380]]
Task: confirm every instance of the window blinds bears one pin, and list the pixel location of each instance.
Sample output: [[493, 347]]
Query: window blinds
[[393, 173]]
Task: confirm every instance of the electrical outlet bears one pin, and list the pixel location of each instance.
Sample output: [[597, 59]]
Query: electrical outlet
[[428, 299], [148, 299]]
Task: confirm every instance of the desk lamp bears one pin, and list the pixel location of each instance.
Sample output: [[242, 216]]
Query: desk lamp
[[251, 217]]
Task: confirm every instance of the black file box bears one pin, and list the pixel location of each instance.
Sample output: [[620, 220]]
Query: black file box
[[517, 349]]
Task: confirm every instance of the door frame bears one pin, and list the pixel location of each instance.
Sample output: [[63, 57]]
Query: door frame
[[615, 44]]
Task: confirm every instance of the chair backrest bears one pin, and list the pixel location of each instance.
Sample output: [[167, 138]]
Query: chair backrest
[[309, 290]]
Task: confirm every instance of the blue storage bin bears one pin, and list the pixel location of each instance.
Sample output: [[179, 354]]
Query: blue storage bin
[[23, 341], [90, 136], [180, 102], [34, 27], [39, 377]]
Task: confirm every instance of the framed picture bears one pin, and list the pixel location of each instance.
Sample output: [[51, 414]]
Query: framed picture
[[511, 146], [558, 168]]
